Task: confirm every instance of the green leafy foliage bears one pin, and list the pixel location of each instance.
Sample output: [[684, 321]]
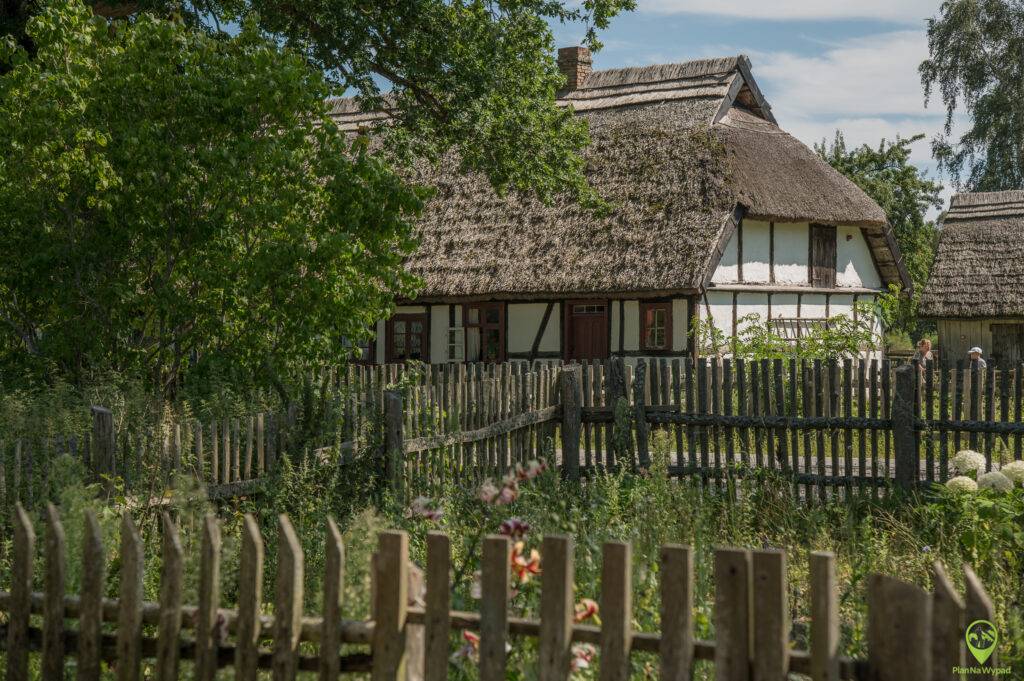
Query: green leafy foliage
[[837, 337], [180, 204], [905, 194], [976, 65]]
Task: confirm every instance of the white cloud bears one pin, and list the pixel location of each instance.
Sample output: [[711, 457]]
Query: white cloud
[[873, 75], [904, 11]]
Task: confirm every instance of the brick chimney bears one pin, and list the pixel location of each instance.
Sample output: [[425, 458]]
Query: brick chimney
[[575, 65]]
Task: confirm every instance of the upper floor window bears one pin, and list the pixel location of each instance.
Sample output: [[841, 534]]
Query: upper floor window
[[656, 327], [485, 332], [822, 258]]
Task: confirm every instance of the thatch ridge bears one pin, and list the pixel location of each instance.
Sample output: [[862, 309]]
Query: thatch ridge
[[979, 264]]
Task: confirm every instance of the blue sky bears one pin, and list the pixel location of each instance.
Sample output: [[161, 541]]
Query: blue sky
[[823, 65]]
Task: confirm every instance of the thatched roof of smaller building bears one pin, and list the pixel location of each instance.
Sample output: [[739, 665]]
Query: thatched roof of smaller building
[[676, 150], [979, 265]]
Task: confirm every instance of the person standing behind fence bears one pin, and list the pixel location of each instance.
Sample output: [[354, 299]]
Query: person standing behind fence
[[923, 355], [975, 358]]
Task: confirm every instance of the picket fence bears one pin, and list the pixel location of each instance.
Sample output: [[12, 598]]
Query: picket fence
[[912, 635], [851, 427]]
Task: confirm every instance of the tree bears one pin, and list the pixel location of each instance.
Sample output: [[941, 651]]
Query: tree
[[976, 62], [905, 194], [476, 76], [174, 202]]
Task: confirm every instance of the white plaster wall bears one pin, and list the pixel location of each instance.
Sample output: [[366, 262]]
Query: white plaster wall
[[381, 350], [438, 334], [756, 251], [854, 266], [720, 303], [812, 306], [750, 303], [791, 253], [727, 272], [842, 304], [680, 324], [784, 305], [410, 309], [524, 321], [631, 321]]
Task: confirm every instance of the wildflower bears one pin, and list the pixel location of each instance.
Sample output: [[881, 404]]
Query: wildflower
[[514, 528], [582, 655], [509, 493], [968, 461], [1014, 471], [926, 549], [962, 483], [423, 507], [532, 469], [586, 609], [487, 492], [470, 649], [995, 480], [522, 566]]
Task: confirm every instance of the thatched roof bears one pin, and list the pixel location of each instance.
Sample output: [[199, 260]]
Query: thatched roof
[[979, 265], [676, 149]]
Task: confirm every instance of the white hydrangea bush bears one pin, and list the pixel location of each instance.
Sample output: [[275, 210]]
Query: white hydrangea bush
[[1014, 471], [995, 480], [968, 461], [962, 483]]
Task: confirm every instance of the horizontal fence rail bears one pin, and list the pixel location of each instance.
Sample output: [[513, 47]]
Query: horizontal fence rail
[[912, 635]]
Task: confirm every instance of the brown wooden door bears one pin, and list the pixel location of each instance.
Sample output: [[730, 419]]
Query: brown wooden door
[[1007, 340], [823, 256], [586, 330]]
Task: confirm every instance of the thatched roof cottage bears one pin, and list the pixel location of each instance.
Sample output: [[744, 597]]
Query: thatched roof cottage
[[716, 211], [975, 291]]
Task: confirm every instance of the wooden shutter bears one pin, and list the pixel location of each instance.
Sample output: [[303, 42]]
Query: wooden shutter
[[823, 256]]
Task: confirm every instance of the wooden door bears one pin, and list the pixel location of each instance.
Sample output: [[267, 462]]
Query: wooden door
[[822, 259], [586, 330], [1007, 340]]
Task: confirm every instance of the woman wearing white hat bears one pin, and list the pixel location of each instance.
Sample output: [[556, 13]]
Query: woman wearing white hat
[[974, 354]]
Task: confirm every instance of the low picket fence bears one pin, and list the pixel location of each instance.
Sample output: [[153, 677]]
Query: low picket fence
[[912, 635]]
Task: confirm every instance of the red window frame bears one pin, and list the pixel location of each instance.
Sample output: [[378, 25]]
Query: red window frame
[[484, 326], [647, 312], [408, 318]]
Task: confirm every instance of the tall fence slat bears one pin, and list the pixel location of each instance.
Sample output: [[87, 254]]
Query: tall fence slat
[[771, 616], [947, 626], [676, 648], [899, 630], [438, 617], [556, 608], [129, 618], [978, 606], [90, 618], [22, 560], [390, 606], [494, 589], [616, 611], [207, 631], [287, 602], [334, 592], [52, 666], [250, 597], [824, 618], [732, 615], [171, 589]]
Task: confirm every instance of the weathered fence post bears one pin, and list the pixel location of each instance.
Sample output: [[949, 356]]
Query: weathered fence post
[[640, 414], [394, 444], [904, 440], [572, 416], [102, 458]]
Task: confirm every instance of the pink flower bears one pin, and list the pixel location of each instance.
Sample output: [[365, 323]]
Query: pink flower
[[582, 655], [423, 507], [586, 609], [487, 492], [525, 567], [514, 528], [509, 493], [471, 648], [532, 470]]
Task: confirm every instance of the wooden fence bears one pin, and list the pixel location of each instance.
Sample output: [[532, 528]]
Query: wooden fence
[[848, 427], [912, 635]]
